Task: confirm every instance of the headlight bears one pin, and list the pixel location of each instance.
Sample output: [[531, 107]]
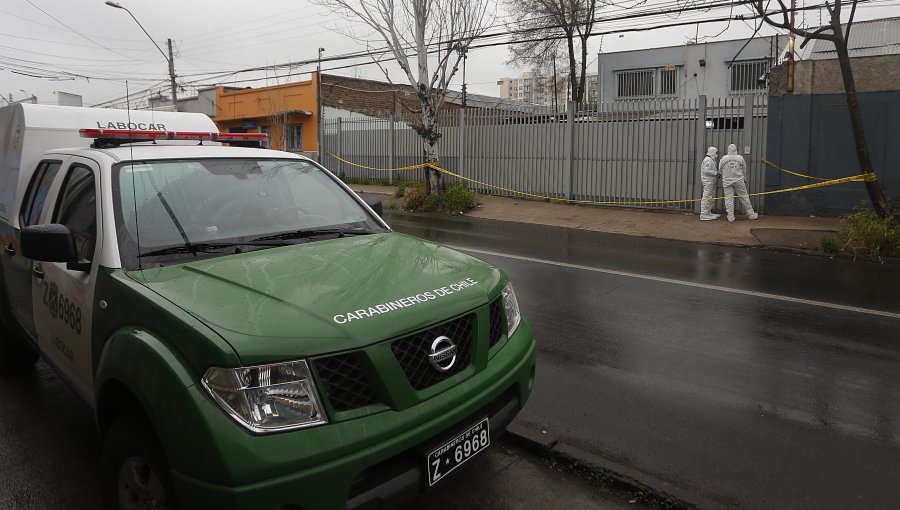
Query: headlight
[[267, 398], [513, 317]]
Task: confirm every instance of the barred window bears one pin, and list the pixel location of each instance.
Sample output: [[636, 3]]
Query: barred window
[[294, 134], [749, 76], [668, 81], [634, 83], [267, 143]]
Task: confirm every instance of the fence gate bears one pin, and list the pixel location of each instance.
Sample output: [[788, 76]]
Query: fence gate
[[630, 153]]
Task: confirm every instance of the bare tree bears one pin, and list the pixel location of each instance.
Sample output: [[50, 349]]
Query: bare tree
[[435, 35], [275, 107], [837, 35], [546, 23]]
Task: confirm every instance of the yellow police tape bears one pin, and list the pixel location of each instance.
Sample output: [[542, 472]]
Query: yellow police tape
[[773, 165], [830, 182], [401, 169]]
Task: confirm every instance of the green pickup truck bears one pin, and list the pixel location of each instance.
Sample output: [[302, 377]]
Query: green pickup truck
[[248, 331]]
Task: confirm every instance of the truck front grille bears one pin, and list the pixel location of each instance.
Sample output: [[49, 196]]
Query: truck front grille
[[412, 351], [496, 321], [346, 384]]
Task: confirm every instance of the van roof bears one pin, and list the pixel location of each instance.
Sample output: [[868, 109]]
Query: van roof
[[68, 118], [148, 152]]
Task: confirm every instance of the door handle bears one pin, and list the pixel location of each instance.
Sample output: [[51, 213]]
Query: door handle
[[10, 250], [37, 272]]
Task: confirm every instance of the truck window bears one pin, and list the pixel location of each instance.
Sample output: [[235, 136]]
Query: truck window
[[36, 195], [77, 209], [169, 203]]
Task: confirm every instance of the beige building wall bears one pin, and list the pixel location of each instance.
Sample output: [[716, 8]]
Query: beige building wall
[[871, 74]]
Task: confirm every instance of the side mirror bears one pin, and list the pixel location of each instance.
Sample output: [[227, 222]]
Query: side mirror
[[375, 204], [52, 242]]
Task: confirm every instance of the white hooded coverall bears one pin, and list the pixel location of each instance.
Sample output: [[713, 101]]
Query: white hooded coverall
[[708, 174], [732, 167]]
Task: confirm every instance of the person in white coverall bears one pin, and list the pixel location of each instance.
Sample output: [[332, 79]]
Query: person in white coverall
[[708, 175], [732, 168]]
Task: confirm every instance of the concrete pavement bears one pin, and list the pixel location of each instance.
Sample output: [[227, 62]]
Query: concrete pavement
[[786, 232]]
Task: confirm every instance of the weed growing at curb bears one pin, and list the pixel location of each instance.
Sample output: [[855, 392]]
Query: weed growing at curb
[[866, 234], [456, 200], [608, 484], [830, 244], [401, 187]]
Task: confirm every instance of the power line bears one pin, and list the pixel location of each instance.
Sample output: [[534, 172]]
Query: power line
[[76, 31], [623, 15], [502, 43]]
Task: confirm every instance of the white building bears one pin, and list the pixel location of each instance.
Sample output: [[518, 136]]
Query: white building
[[715, 69]]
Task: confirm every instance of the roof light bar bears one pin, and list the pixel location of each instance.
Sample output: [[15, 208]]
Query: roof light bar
[[240, 137], [134, 134]]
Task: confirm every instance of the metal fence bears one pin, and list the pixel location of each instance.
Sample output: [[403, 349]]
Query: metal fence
[[615, 153]]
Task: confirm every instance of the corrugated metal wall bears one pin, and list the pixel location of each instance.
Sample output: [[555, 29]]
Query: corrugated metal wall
[[619, 152]]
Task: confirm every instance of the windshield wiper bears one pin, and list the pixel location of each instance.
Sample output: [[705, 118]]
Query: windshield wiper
[[196, 248], [316, 232]]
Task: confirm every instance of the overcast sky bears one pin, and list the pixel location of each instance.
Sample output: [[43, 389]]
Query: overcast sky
[[57, 39]]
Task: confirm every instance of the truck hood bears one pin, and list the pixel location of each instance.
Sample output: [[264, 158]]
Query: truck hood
[[320, 297]]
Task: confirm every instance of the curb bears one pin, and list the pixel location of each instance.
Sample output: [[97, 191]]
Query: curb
[[758, 246], [655, 491], [818, 253]]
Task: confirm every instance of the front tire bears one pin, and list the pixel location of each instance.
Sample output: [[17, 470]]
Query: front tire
[[134, 468]]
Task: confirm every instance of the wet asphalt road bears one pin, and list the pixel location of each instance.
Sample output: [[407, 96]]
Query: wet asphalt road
[[726, 399], [730, 399], [50, 454]]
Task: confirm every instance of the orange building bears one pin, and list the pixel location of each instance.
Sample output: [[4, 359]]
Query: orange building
[[287, 113]]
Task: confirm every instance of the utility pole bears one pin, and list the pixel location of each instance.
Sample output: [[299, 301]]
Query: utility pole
[[172, 77], [465, 56], [790, 83], [320, 110]]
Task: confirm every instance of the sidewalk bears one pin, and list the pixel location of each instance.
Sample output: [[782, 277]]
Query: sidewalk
[[781, 232]]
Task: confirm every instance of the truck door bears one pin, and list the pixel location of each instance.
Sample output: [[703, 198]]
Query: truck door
[[16, 268], [62, 298]]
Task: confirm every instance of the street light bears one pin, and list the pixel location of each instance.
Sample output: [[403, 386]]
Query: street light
[[168, 57], [28, 96]]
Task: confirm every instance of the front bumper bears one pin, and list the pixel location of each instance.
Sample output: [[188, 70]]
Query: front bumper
[[371, 462]]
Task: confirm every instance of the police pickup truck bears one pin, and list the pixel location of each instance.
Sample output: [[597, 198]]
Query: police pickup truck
[[248, 331]]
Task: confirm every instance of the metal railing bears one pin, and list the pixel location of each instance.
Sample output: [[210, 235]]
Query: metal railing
[[620, 152]]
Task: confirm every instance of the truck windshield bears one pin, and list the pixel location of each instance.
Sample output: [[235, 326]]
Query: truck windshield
[[180, 209]]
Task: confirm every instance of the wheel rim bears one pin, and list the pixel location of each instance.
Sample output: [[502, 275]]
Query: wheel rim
[[140, 487]]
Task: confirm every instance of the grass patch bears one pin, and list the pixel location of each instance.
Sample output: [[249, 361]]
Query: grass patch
[[830, 244], [363, 180], [458, 199], [866, 234], [402, 185]]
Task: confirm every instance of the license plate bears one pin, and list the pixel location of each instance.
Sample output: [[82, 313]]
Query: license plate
[[453, 453]]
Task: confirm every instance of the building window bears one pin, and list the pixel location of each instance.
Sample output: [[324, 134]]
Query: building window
[[634, 83], [749, 76], [668, 82], [294, 138]]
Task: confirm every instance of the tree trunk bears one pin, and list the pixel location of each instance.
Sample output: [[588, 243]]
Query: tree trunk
[[859, 134], [582, 81], [573, 69], [434, 180]]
